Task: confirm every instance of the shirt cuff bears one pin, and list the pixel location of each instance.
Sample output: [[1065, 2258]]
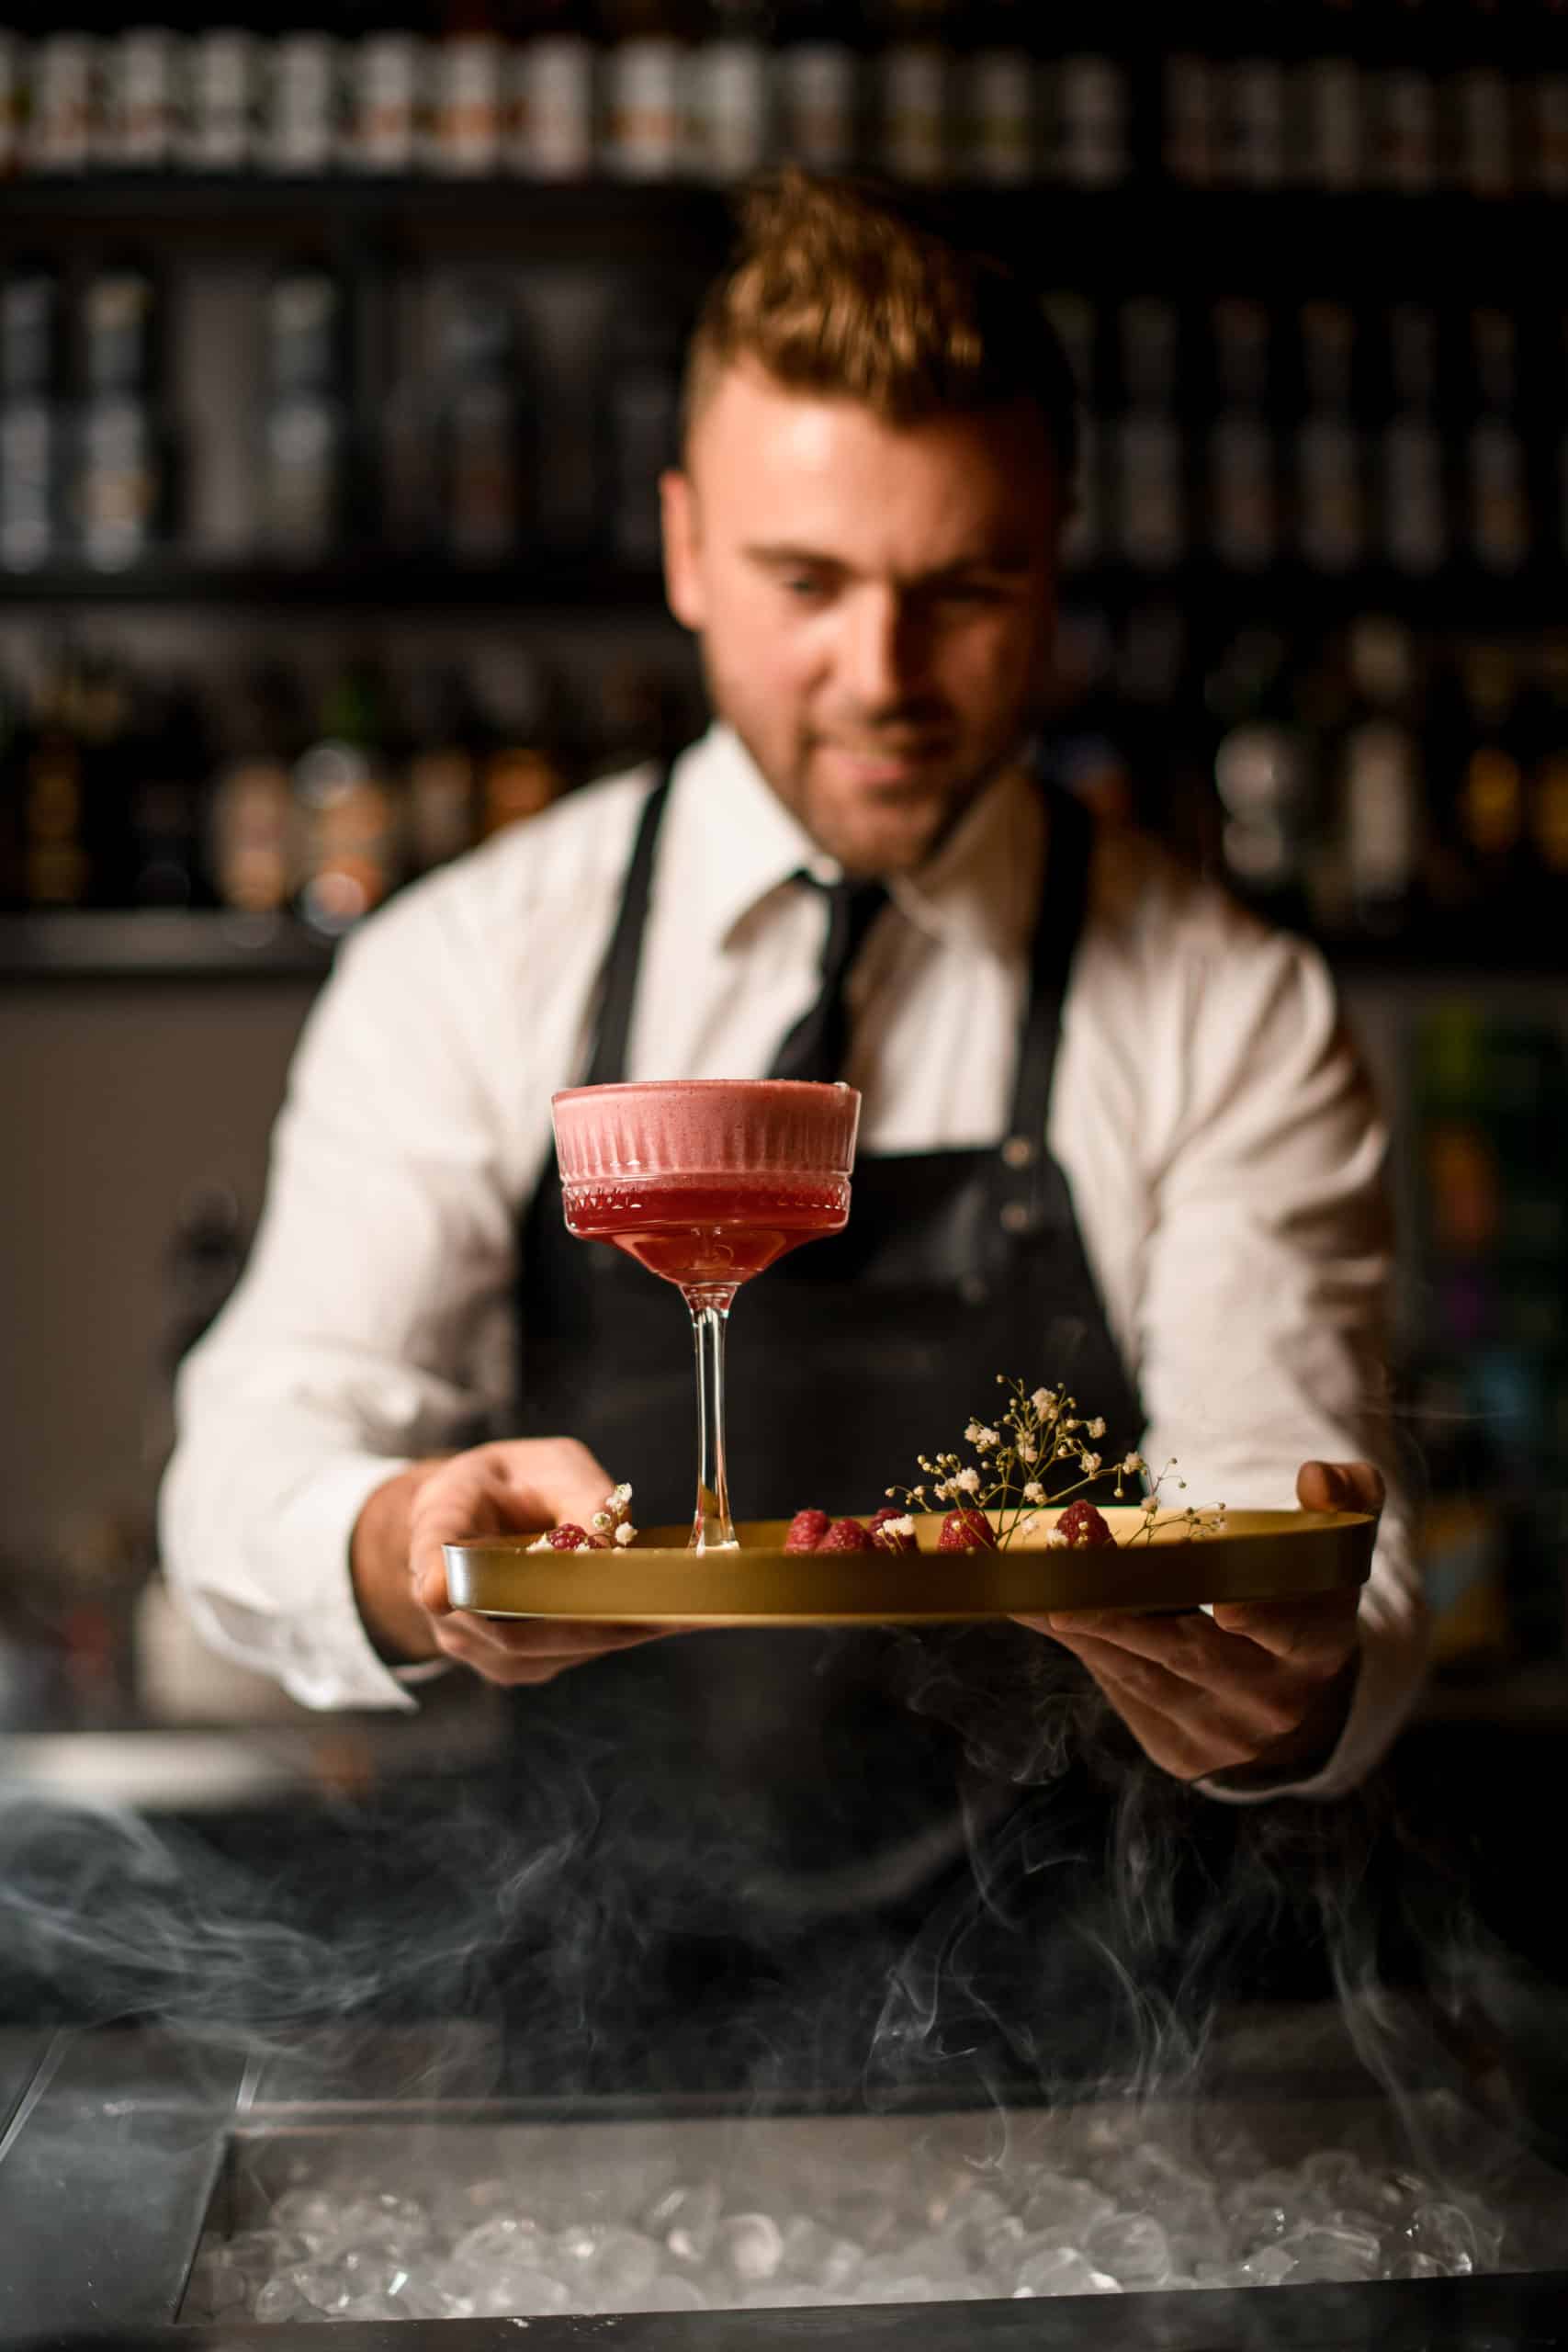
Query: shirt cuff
[[328, 1659]]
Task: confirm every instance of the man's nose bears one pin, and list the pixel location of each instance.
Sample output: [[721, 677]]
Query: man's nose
[[882, 658]]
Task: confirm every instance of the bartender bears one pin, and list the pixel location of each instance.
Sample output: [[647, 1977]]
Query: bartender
[[1113, 1137]]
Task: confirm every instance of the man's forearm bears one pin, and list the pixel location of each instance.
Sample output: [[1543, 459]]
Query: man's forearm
[[379, 1564]]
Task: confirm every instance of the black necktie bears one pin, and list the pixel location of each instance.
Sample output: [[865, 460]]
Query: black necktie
[[818, 1046]]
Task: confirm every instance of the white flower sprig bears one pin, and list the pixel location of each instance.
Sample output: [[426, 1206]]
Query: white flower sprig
[[1040, 1452]]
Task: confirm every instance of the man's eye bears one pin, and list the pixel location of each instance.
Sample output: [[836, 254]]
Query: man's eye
[[805, 587]]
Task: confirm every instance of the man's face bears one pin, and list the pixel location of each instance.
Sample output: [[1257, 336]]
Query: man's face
[[875, 604]]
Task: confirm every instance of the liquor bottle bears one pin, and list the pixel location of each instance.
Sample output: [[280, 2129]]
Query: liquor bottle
[[389, 70], [351, 831], [13, 93], [1547, 143], [56, 867], [1499, 515], [1413, 526], [305, 424], [1490, 804], [143, 98], [1327, 105], [520, 764], [224, 99], [254, 847], [820, 84], [911, 79], [1547, 819], [555, 63], [1092, 121], [167, 766], [1148, 458], [1405, 139], [470, 74], [1086, 538], [1254, 96], [1243, 496], [1191, 145], [31, 422], [642, 372], [1330, 496], [1380, 798], [448, 744], [123, 467], [485, 479], [731, 127], [1483, 128], [647, 77], [62, 131], [1263, 774], [1002, 98], [303, 127]]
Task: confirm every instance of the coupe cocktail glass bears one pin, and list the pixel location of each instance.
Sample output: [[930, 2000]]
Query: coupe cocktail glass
[[705, 1181]]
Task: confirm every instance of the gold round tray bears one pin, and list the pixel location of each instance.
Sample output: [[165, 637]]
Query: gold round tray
[[1260, 1555]]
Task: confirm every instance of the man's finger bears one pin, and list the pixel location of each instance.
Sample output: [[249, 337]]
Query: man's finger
[[1340, 1486], [1317, 1632], [1245, 1710]]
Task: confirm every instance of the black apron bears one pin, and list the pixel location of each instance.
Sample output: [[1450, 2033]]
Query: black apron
[[760, 1787]]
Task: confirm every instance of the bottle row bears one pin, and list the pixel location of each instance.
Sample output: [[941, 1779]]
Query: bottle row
[[1240, 432], [1362, 784], [270, 795], [663, 89]]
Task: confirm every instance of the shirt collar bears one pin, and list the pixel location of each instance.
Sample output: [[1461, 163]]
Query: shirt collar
[[739, 844]]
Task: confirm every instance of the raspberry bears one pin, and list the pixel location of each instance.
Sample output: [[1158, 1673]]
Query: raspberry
[[1083, 1527], [807, 1530], [966, 1530], [567, 1538], [880, 1536], [846, 1535]]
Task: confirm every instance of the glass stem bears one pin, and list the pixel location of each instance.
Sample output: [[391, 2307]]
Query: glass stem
[[711, 1527]]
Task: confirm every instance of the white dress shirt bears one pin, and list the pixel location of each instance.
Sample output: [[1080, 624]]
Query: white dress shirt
[[1214, 1126]]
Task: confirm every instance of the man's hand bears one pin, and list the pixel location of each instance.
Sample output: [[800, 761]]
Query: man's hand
[[513, 1488], [1258, 1691]]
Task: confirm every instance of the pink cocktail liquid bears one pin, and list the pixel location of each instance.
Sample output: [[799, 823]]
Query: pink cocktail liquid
[[706, 1182], [706, 1230]]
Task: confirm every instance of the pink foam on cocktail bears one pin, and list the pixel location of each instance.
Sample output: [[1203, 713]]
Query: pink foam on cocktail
[[703, 1127]]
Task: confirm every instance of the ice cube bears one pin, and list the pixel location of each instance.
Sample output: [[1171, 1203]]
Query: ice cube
[[1270, 2266], [1323, 2253], [1063, 2270], [813, 2256], [667, 2294], [1058, 2202], [686, 2218], [1132, 2246], [752, 2245], [1449, 2234]]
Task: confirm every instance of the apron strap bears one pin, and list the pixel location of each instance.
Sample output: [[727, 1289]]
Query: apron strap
[[1030, 1192], [618, 974]]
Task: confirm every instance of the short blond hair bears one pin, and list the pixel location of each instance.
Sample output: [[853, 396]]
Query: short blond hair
[[850, 289]]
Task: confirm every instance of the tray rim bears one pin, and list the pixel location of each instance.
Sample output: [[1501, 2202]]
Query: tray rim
[[1260, 1556]]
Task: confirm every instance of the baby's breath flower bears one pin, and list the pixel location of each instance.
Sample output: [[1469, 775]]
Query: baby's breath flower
[[1097, 1429], [1034, 1492], [985, 1439], [1132, 1464], [1151, 1507], [904, 1526], [967, 1481], [1056, 1541], [972, 1434], [1072, 1424], [1043, 1400], [600, 1521], [1090, 1462], [624, 1533], [1027, 1450]]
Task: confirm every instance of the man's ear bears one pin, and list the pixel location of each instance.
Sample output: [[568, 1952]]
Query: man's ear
[[683, 583]]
